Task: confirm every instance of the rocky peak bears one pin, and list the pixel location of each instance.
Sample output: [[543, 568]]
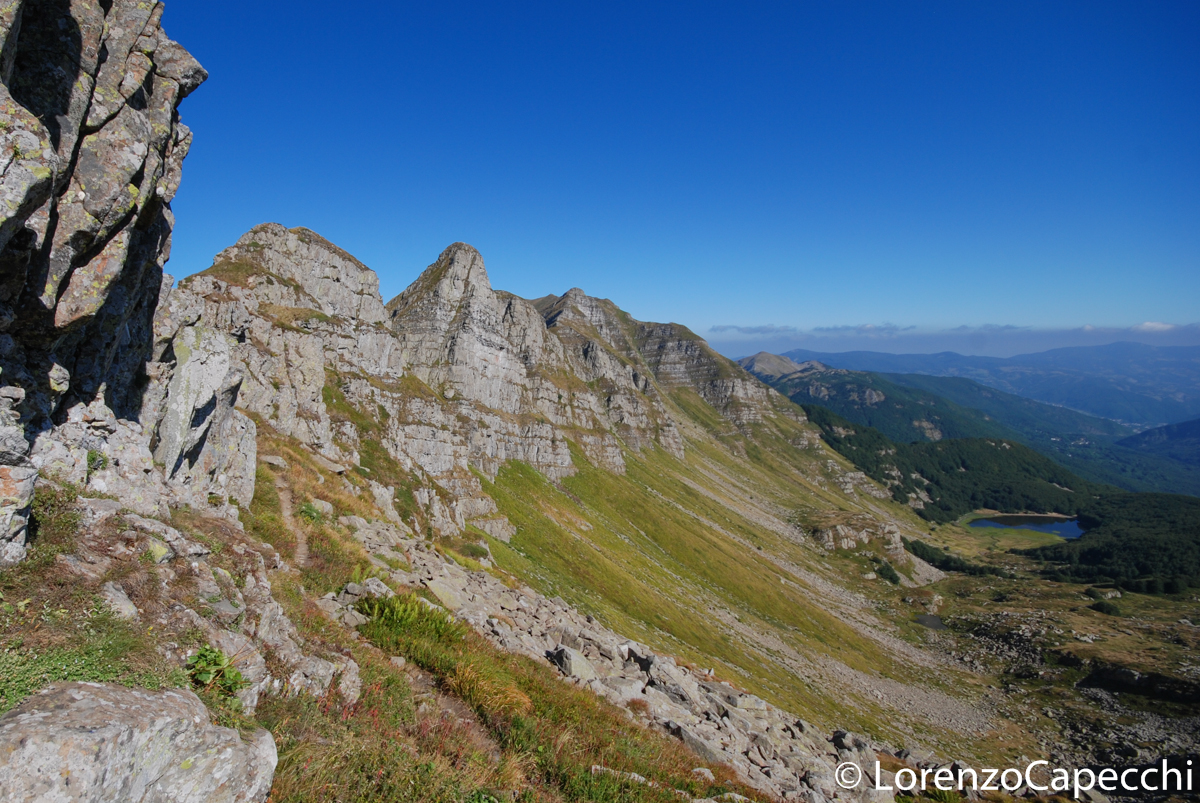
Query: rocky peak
[[328, 279], [588, 316], [458, 275], [450, 324]]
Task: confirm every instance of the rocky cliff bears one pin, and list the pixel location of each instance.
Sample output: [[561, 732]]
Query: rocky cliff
[[455, 377], [112, 384], [102, 378]]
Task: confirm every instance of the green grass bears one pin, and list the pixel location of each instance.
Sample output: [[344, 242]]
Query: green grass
[[103, 651], [647, 554], [550, 733], [53, 626]]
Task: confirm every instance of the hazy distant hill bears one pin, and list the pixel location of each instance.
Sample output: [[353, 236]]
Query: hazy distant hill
[[1129, 382], [1177, 441], [914, 408]]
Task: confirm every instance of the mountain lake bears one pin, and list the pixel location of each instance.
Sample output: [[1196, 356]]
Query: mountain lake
[[1055, 525]]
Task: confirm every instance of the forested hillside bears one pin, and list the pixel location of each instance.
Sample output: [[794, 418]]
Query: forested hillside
[[917, 407], [1145, 542]]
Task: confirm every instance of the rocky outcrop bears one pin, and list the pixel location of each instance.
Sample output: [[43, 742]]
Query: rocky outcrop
[[100, 742], [225, 598], [680, 358], [91, 154]]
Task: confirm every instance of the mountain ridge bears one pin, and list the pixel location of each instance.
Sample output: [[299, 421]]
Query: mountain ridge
[[1139, 385]]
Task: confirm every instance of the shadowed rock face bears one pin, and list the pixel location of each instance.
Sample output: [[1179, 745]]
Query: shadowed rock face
[[93, 355]]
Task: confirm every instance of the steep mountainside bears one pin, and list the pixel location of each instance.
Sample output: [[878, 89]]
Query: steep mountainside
[[1177, 441], [916, 407], [621, 465], [1128, 382]]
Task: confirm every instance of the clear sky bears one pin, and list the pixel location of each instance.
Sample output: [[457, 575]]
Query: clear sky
[[794, 165]]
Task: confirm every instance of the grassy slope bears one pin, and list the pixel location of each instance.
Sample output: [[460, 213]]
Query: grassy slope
[[681, 555], [397, 742]]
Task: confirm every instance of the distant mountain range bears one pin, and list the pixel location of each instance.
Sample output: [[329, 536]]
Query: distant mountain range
[[1143, 386], [1177, 441], [910, 408]]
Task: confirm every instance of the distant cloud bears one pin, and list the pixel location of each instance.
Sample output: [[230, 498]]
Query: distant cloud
[[994, 340], [769, 329], [865, 329]]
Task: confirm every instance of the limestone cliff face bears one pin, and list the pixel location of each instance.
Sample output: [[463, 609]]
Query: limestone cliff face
[[91, 153], [457, 377], [681, 359]]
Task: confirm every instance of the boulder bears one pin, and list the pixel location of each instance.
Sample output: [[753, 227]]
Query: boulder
[[573, 663], [447, 593], [93, 742], [698, 745]]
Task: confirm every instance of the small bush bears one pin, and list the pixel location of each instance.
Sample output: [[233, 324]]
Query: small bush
[[213, 670], [410, 616], [1106, 607], [308, 511], [96, 461], [886, 571]]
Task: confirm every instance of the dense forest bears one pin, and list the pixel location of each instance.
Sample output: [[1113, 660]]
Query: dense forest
[[914, 407], [1141, 541], [947, 478]]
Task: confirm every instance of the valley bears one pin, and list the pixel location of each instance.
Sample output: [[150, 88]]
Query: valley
[[919, 407], [1135, 384]]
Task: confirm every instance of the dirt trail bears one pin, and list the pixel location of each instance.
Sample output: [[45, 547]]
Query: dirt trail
[[285, 506]]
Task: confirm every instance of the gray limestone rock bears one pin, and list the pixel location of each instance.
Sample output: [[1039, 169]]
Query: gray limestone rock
[[118, 601], [100, 742], [573, 663]]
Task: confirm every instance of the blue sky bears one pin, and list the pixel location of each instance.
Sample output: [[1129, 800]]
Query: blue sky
[[813, 167]]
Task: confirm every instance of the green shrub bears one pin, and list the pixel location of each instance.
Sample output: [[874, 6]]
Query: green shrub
[[1106, 607], [213, 670], [886, 571], [408, 615], [308, 511], [96, 461]]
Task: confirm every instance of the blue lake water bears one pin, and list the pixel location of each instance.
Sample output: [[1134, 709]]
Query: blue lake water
[[1064, 528]]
